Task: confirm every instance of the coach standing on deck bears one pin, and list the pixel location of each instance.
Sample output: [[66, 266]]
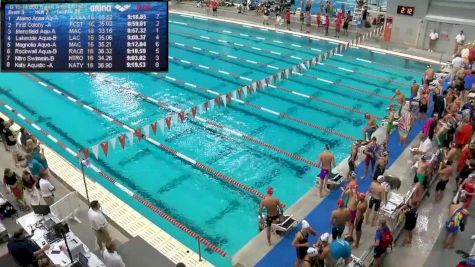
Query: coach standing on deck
[[98, 224]]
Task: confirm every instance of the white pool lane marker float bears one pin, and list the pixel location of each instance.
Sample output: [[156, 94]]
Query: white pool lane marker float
[[214, 173], [241, 35], [146, 203], [226, 55], [215, 124], [238, 45], [267, 110], [280, 88], [305, 74], [253, 26]]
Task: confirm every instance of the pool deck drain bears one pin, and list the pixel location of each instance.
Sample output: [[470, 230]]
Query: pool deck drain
[[121, 213]]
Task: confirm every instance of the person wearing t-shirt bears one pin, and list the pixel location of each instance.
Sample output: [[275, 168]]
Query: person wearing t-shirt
[[433, 37], [379, 250], [10, 140], [266, 14], [459, 40], [364, 15], [410, 213], [464, 132], [457, 64], [46, 190]]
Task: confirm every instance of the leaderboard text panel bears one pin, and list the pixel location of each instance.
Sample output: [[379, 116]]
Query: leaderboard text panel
[[85, 36]]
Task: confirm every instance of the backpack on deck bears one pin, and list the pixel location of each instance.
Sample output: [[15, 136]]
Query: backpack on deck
[[386, 239]]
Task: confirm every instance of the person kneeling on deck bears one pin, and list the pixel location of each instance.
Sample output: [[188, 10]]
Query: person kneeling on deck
[[274, 210], [338, 250], [370, 128], [301, 242]]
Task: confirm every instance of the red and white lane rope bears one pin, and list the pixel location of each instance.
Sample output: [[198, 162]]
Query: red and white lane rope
[[260, 108], [146, 203], [364, 74], [280, 88], [260, 38], [165, 148], [228, 56], [239, 45], [220, 126]]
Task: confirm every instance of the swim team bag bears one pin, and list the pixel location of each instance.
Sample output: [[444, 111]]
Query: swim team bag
[[386, 239]]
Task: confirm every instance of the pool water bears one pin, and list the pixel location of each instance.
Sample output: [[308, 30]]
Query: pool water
[[214, 209]]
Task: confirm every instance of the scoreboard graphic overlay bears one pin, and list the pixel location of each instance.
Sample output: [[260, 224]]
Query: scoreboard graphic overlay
[[95, 36]]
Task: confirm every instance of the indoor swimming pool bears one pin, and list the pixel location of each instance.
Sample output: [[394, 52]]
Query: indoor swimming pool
[[206, 57]]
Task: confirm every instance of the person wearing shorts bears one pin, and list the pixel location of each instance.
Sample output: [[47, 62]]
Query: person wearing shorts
[[273, 207], [339, 218], [377, 192], [287, 18], [326, 162], [379, 250], [445, 172], [360, 212], [410, 222], [376, 203]]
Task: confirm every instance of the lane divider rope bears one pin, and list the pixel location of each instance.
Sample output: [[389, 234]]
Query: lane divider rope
[[365, 74], [238, 45], [280, 88], [261, 108], [166, 148], [158, 211], [220, 126], [226, 56]]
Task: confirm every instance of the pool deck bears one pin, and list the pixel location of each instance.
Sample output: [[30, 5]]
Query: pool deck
[[229, 14], [134, 224], [120, 214]]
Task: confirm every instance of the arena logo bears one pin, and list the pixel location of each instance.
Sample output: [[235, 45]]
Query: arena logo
[[100, 8], [122, 8]]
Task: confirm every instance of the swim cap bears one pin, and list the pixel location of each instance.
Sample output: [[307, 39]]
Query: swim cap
[[341, 203], [325, 237], [305, 224], [270, 190], [380, 178], [312, 252]]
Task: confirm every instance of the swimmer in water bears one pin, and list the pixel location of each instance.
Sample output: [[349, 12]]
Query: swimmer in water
[[326, 163]]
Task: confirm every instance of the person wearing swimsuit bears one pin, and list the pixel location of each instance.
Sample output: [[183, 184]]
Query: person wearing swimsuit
[[301, 242], [381, 166], [326, 163], [370, 156], [456, 222], [311, 259]]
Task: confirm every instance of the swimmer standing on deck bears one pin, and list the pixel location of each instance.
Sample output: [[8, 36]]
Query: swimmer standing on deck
[[274, 209], [326, 163]]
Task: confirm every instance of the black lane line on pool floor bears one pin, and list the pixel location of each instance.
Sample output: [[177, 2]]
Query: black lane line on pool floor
[[378, 103], [233, 183], [266, 110], [130, 184], [275, 42], [357, 122], [214, 124]]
